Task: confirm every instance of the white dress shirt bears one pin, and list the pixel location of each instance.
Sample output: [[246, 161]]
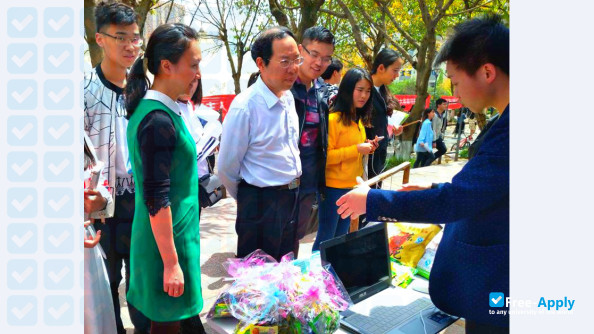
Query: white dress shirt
[[260, 140]]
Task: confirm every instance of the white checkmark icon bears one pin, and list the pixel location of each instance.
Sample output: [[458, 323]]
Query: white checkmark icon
[[58, 133], [58, 313], [22, 276], [20, 241], [58, 25], [22, 168], [20, 206], [59, 276], [20, 61], [23, 132], [58, 97], [22, 24], [59, 204], [20, 97], [60, 59], [495, 301], [58, 169], [22, 312], [59, 240]]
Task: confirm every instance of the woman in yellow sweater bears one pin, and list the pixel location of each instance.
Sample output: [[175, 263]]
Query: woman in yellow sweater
[[347, 145]]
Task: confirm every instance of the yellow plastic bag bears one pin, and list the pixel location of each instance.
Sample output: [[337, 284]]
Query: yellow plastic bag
[[408, 241]]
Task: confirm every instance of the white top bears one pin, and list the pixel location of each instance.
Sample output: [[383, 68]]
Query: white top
[[260, 140], [196, 130]]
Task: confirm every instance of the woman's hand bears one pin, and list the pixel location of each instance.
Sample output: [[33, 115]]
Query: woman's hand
[[93, 201], [91, 242], [173, 280], [365, 148]]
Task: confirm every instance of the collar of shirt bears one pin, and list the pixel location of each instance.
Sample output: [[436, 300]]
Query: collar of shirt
[[166, 100], [302, 91], [268, 95]]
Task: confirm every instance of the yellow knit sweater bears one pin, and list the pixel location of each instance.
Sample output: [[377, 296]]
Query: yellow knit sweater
[[344, 162]]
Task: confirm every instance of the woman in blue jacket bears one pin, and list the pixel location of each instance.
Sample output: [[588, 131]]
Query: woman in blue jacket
[[424, 145]]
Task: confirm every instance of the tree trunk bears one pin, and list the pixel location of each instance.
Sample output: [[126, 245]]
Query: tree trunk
[[309, 17], [94, 50], [404, 150]]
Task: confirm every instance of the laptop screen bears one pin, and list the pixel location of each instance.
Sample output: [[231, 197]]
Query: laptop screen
[[360, 260]]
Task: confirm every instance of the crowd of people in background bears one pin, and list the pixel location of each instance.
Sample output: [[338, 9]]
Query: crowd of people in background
[[301, 133]]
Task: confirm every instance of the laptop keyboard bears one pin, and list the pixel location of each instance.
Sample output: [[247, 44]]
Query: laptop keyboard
[[385, 318]]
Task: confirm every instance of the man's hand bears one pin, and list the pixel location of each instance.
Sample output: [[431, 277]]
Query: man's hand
[[173, 280], [93, 201], [354, 203], [91, 242], [434, 145], [414, 187]]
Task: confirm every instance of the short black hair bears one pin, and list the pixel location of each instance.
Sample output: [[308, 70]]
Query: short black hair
[[335, 65], [108, 12], [319, 34], [262, 46], [477, 42], [440, 101]]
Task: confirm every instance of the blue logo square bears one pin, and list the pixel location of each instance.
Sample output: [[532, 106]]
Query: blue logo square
[[58, 202], [21, 203], [58, 130], [21, 166], [22, 22], [21, 130], [21, 310], [21, 58], [59, 238], [21, 238], [58, 274], [58, 94], [58, 22], [59, 166], [21, 274], [58, 310], [496, 299], [58, 58], [22, 94]]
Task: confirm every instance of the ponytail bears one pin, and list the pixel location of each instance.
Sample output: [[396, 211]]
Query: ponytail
[[136, 86]]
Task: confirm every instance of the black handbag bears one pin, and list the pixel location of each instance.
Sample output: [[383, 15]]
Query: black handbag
[[210, 190]]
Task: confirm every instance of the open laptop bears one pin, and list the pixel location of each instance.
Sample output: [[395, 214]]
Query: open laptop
[[362, 262]]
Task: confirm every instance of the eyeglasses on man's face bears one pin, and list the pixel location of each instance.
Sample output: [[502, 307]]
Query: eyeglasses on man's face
[[121, 40], [285, 63], [314, 54]]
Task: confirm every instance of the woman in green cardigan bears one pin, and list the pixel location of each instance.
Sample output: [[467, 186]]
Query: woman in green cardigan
[[165, 245]]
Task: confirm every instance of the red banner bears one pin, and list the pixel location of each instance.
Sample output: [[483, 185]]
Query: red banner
[[452, 102], [407, 101], [219, 103]]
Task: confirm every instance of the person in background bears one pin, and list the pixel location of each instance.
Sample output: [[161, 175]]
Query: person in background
[[424, 145], [385, 69], [259, 162], [165, 252], [347, 145], [333, 73], [439, 124], [474, 206], [105, 123]]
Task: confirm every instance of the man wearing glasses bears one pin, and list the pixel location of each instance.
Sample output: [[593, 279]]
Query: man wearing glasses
[[311, 104], [259, 155], [105, 124]]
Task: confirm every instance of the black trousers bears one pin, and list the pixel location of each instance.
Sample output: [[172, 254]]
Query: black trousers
[[441, 148], [423, 159], [266, 220], [115, 241], [306, 202]]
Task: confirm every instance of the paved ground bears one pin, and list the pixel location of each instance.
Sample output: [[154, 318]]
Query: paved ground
[[218, 239]]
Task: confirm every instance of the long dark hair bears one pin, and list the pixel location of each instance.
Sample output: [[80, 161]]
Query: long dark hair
[[344, 98], [386, 57], [426, 113], [169, 41]]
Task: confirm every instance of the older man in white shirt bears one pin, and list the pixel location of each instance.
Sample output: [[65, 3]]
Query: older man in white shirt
[[259, 156]]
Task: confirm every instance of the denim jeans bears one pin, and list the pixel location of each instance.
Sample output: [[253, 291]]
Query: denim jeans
[[330, 223]]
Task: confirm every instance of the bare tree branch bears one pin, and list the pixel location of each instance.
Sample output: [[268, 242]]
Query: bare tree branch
[[469, 9], [333, 13], [403, 32]]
